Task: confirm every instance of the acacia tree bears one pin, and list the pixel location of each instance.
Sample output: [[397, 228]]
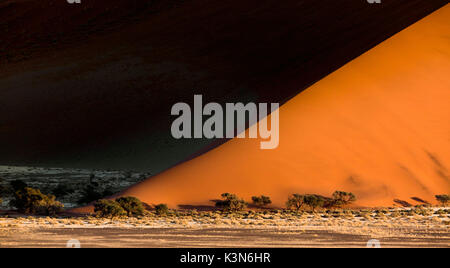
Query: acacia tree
[[231, 203], [341, 198], [109, 209], [443, 199], [295, 202], [314, 201], [32, 201], [261, 201], [131, 205]]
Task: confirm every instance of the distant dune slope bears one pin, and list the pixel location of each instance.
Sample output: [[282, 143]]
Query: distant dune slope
[[91, 85], [378, 127]]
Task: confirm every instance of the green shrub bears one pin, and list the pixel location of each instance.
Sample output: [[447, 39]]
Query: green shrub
[[32, 201], [295, 202], [161, 209], [131, 205], [109, 209], [443, 199], [261, 201], [341, 198], [231, 203]]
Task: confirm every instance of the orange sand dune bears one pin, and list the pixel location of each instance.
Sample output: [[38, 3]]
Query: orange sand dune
[[378, 127]]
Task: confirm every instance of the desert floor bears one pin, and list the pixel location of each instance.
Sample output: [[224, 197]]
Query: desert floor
[[399, 228]]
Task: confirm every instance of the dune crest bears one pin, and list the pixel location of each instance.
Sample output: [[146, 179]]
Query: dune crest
[[378, 127]]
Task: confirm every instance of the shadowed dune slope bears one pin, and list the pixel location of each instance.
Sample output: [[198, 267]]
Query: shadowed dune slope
[[378, 127], [91, 85]]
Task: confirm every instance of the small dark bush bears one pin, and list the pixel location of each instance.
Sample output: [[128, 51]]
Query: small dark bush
[[261, 201], [444, 199], [109, 209], [161, 209], [131, 205], [32, 201], [231, 203]]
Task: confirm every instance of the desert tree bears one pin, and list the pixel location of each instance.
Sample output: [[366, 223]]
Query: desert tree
[[341, 198], [231, 203], [295, 202], [314, 201], [261, 201], [444, 199], [132, 205], [108, 209], [32, 201]]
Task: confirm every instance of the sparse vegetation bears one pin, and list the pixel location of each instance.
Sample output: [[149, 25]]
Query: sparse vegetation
[[161, 209], [32, 201], [231, 203], [261, 201], [132, 205], [444, 199], [109, 209]]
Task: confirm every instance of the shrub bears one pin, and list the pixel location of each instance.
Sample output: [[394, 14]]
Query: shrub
[[32, 201], [131, 205], [341, 198], [161, 209], [108, 209], [295, 202], [314, 201], [261, 201], [231, 203], [443, 199]]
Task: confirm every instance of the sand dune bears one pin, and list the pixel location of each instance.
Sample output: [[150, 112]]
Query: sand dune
[[378, 127], [91, 85]]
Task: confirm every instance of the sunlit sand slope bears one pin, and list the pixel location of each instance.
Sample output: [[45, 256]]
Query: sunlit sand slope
[[378, 127]]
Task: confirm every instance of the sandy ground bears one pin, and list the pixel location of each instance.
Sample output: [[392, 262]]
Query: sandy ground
[[217, 230]]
